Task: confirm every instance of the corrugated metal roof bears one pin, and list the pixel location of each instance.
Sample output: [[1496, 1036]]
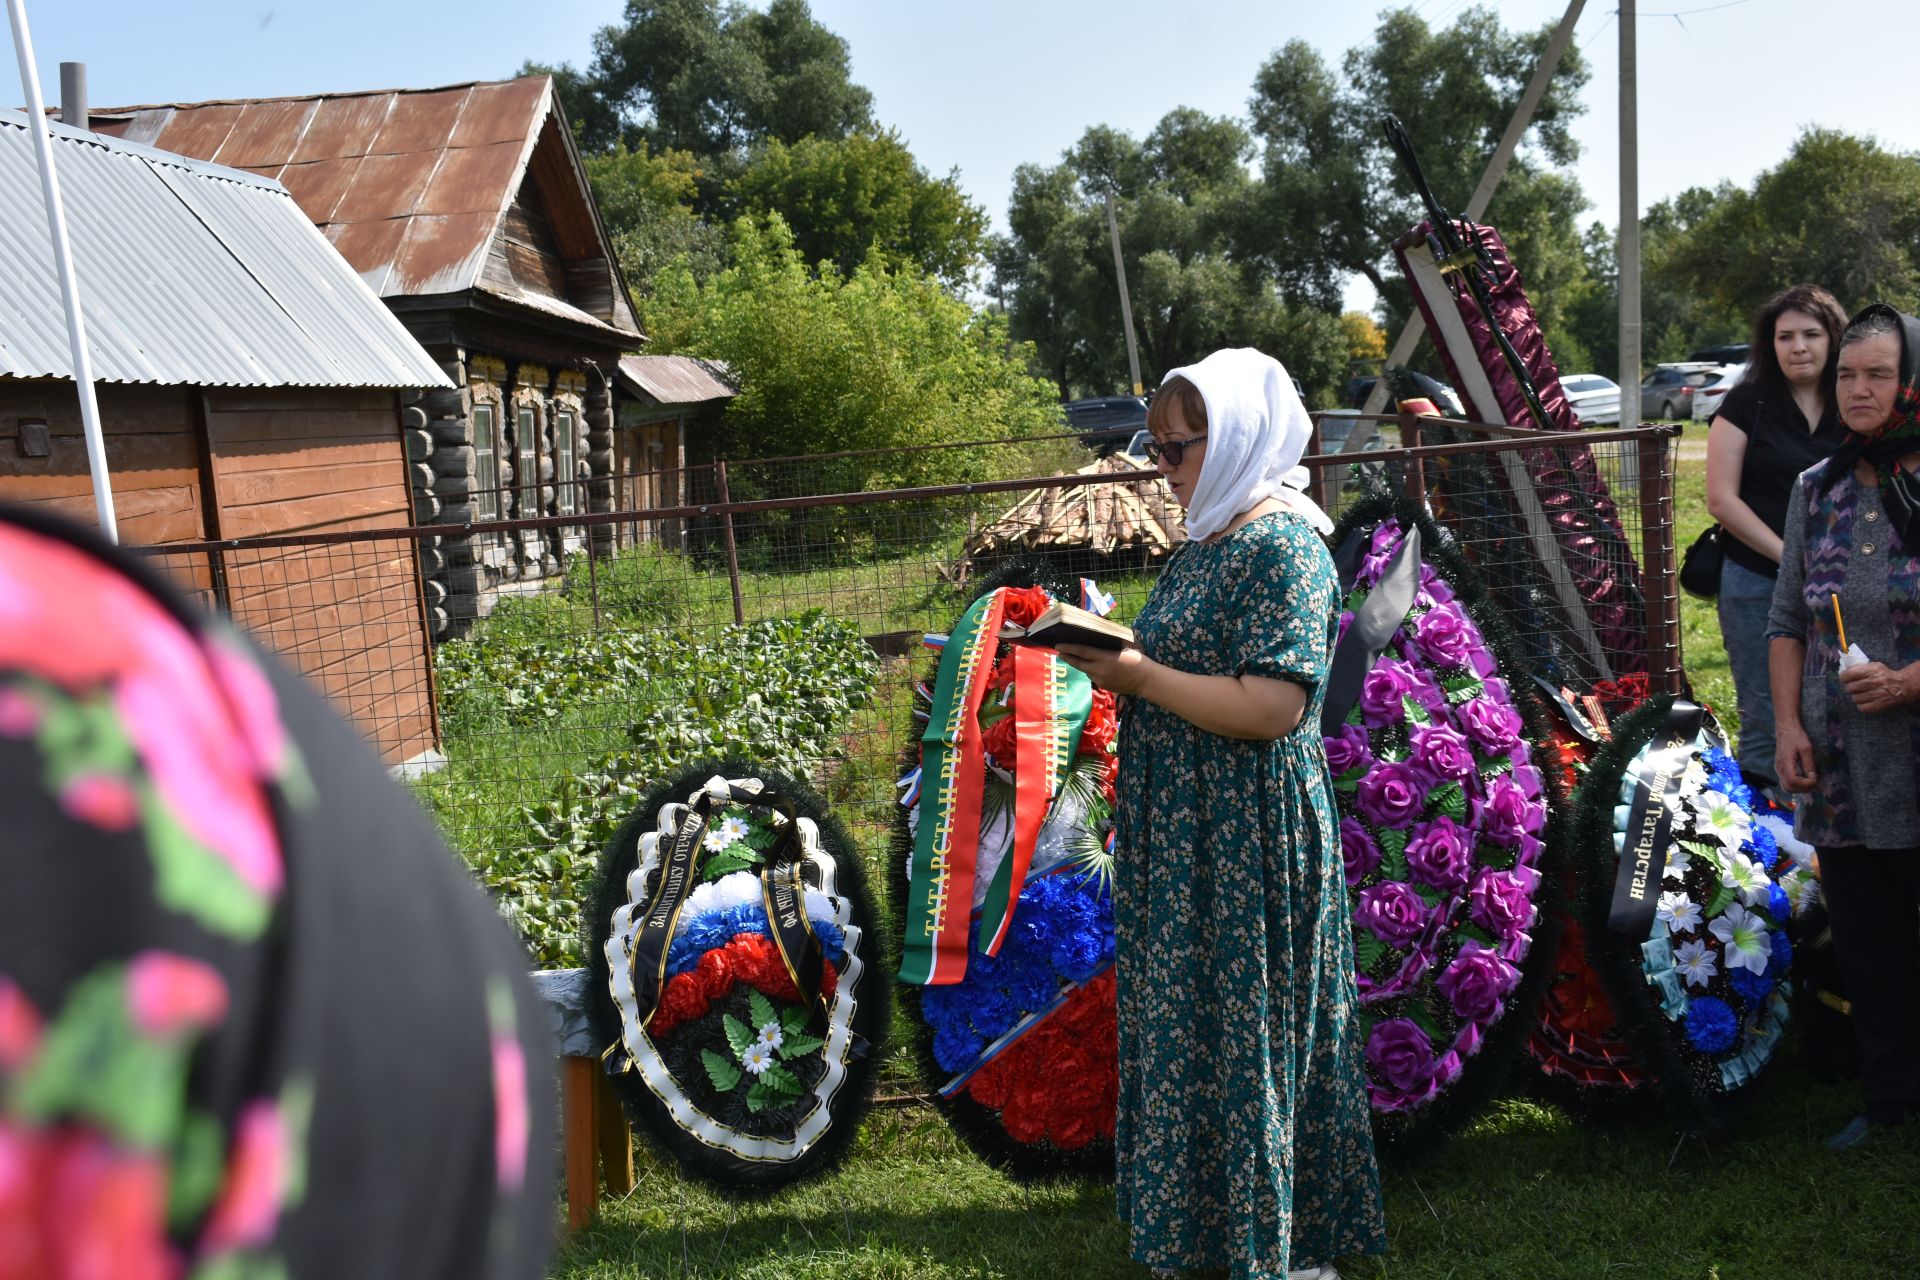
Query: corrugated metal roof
[[189, 273], [410, 185], [677, 379]]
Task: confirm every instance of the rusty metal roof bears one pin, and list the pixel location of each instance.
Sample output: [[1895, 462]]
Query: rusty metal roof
[[189, 273], [677, 379], [411, 185]]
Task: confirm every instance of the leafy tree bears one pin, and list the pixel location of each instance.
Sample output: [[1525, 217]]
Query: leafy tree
[[1364, 337], [864, 199], [1334, 198], [714, 77], [646, 202], [1839, 210], [1182, 195], [873, 360]]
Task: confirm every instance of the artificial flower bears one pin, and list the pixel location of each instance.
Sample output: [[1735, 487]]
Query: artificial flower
[[1711, 1026], [1802, 890], [715, 840], [1678, 862], [1441, 854], [1400, 1053], [733, 827], [1740, 873], [1695, 962], [1391, 795], [1477, 982], [770, 1034], [757, 1057], [1678, 912], [1718, 816], [1393, 912], [1743, 939]]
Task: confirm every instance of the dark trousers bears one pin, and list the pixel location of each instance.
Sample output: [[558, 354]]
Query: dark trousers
[[1873, 902]]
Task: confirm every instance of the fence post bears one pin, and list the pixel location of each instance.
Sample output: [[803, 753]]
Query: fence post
[[726, 528], [1655, 459], [1416, 467], [593, 583]]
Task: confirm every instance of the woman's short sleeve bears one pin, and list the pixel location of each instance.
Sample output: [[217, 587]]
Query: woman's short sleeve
[[1282, 622], [1740, 407]]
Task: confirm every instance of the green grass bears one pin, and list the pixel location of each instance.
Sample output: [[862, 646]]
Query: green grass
[[1527, 1191]]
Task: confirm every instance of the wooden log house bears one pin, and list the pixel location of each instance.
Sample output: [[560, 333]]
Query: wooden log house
[[467, 209], [249, 384]]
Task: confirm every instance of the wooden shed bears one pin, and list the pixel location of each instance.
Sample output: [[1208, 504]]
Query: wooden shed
[[249, 385], [665, 404], [467, 209]]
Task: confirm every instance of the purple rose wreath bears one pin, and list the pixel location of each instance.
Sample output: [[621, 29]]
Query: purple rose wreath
[[1444, 821]]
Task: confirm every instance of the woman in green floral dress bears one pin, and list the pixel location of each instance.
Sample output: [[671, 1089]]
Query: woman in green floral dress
[[1244, 1140]]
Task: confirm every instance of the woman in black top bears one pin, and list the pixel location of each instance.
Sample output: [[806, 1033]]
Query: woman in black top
[[1778, 421]]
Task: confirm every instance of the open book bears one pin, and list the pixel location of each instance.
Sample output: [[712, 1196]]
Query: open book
[[1069, 624]]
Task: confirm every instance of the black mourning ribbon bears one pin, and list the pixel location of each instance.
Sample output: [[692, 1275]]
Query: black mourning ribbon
[[782, 888], [1643, 859], [1374, 622]]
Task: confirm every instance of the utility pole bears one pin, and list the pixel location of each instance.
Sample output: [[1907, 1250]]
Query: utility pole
[[1126, 307], [1496, 170], [1629, 253]]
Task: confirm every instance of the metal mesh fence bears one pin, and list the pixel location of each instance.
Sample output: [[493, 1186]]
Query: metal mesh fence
[[787, 625]]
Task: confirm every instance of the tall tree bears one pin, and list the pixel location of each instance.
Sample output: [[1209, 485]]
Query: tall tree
[[1334, 198], [1182, 195], [863, 199], [714, 77]]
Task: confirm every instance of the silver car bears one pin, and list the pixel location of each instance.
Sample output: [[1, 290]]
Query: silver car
[[1595, 400], [1707, 400]]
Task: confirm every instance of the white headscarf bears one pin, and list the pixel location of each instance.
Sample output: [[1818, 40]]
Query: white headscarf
[[1256, 431]]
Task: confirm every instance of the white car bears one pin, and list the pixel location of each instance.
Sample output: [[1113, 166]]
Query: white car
[[1595, 400], [1706, 401]]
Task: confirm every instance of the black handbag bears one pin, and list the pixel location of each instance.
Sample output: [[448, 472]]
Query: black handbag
[[1700, 567]]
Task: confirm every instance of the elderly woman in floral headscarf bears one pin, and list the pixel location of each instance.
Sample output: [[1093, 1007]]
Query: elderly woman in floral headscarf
[[1243, 1135], [1848, 725], [255, 1020]]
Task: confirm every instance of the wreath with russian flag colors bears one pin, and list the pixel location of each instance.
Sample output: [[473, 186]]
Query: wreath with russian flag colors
[[735, 979], [1003, 887], [1686, 899], [1444, 822]]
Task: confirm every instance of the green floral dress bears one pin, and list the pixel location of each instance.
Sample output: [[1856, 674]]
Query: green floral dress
[[1243, 1137]]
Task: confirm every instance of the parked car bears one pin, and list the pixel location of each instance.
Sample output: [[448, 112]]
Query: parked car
[[1731, 353], [1444, 397], [1595, 399], [1136, 450], [1706, 401], [1668, 390], [1106, 422]]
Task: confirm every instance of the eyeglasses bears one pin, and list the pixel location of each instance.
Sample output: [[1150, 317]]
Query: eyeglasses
[[1172, 450]]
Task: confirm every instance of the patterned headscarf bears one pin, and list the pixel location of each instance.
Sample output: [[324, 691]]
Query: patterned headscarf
[[255, 1020], [1899, 490]]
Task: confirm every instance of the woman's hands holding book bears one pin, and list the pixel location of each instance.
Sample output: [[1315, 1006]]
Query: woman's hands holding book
[[1117, 670]]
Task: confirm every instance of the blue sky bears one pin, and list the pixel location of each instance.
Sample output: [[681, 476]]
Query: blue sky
[[985, 85]]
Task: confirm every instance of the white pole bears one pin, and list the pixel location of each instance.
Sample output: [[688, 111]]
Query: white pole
[[63, 264], [1632, 412]]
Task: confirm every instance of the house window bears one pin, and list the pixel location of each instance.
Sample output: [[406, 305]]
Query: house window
[[526, 462], [486, 465], [566, 464]]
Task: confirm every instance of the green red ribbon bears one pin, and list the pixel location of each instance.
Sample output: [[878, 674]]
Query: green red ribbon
[[1051, 702], [947, 840]]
